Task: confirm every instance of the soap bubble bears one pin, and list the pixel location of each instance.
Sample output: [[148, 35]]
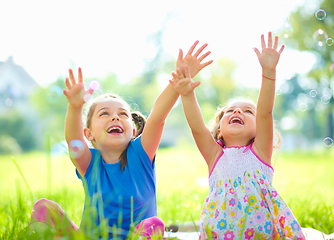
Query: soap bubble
[[278, 92], [329, 41], [76, 148], [94, 85], [303, 107], [86, 97], [320, 14], [55, 93], [328, 141], [320, 36], [8, 102], [325, 99], [313, 93]]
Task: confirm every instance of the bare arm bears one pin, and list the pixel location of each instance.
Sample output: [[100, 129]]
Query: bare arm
[[156, 121], [263, 143], [73, 121], [203, 138]]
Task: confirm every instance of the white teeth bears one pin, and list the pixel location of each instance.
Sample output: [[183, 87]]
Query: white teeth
[[118, 129], [235, 119]]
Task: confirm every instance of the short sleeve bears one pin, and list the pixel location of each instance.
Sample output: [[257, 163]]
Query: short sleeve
[[95, 154]]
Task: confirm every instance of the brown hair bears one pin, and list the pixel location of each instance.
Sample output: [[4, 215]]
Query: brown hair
[[214, 124], [138, 119]]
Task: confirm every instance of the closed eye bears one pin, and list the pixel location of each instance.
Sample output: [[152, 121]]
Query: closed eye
[[230, 110], [249, 111], [124, 114]]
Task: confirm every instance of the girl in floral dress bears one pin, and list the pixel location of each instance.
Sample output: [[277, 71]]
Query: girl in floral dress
[[242, 203]]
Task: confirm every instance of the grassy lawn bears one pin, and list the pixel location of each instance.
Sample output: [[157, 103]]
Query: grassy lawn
[[304, 180]]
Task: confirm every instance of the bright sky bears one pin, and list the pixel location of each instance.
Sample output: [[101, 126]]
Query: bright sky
[[46, 38]]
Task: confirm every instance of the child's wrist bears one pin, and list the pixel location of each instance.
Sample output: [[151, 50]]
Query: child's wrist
[[269, 74]]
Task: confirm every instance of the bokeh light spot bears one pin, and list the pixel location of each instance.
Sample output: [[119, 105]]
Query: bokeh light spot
[[86, 97], [303, 107], [94, 85], [76, 148], [8, 102], [55, 93]]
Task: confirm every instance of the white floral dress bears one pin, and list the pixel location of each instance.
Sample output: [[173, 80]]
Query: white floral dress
[[242, 203]]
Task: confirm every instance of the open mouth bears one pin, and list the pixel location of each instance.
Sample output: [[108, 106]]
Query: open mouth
[[115, 129], [236, 120]]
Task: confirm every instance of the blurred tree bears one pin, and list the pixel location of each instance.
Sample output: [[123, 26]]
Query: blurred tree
[[16, 133], [312, 30]]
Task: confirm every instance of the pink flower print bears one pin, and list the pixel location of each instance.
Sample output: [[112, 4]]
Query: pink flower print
[[282, 221], [245, 198], [263, 204], [287, 213], [207, 199], [232, 202], [264, 192], [229, 235], [254, 175], [250, 223], [217, 213], [231, 190], [249, 233], [261, 181], [259, 217], [274, 193]]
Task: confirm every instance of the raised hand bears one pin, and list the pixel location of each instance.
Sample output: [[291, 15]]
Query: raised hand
[[269, 56], [193, 61], [183, 83], [76, 91]]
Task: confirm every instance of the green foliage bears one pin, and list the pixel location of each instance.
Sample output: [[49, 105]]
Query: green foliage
[[16, 132]]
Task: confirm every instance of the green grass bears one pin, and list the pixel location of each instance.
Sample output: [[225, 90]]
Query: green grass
[[304, 180]]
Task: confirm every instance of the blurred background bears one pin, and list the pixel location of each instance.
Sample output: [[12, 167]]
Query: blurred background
[[130, 48]]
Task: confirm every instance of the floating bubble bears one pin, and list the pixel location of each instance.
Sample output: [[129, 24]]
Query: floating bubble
[[8, 102], [303, 107], [76, 148], [313, 93], [320, 14], [331, 67], [86, 97], [325, 99], [329, 41], [55, 93], [320, 36], [328, 141], [278, 92], [94, 85]]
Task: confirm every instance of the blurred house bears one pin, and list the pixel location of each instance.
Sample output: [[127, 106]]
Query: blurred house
[[16, 85]]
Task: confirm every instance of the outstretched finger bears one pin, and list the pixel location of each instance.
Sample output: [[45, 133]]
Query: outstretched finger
[[172, 82], [195, 84], [68, 84], [270, 40], [281, 49], [263, 43], [179, 74], [71, 76], [80, 80], [200, 50], [180, 58], [190, 52], [203, 56], [257, 52], [275, 43], [187, 72], [203, 65]]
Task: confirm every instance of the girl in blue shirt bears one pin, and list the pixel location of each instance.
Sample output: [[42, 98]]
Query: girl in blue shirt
[[118, 174]]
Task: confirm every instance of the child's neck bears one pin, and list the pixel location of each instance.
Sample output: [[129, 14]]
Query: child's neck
[[111, 156], [235, 142]]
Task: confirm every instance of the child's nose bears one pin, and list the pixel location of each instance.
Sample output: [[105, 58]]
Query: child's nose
[[115, 118], [237, 110]]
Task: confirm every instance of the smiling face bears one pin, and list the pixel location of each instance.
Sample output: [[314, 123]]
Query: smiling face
[[238, 121], [111, 125]]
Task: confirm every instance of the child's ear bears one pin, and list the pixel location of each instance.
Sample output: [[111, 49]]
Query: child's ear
[[219, 136], [133, 133], [88, 134]]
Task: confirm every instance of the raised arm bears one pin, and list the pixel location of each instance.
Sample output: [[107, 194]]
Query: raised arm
[[156, 121], [202, 135], [263, 143], [73, 121]]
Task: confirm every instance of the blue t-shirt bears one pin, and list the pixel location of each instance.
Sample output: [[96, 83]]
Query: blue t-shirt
[[116, 198]]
